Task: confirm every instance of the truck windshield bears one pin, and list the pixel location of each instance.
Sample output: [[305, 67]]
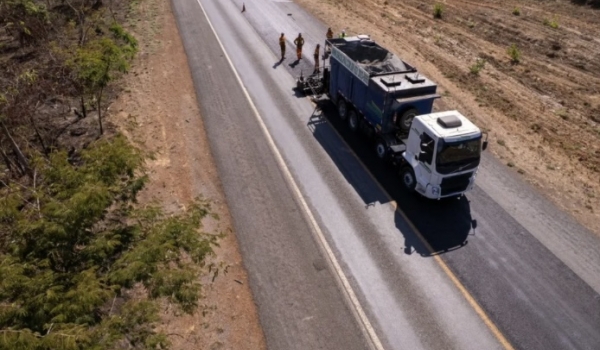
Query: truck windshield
[[458, 156]]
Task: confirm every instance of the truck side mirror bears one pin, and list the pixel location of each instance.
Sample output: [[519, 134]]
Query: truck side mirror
[[424, 146]]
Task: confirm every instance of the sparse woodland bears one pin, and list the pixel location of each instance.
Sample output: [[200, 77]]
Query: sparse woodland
[[82, 266]]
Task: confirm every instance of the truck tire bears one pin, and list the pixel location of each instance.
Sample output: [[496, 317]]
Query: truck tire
[[381, 149], [406, 119], [342, 108], [409, 179], [353, 120]]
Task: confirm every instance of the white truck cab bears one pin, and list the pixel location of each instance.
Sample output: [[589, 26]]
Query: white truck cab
[[442, 155]]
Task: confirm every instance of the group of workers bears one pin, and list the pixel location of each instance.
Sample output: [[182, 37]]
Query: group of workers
[[299, 42]]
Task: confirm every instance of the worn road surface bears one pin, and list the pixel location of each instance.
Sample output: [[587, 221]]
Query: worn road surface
[[496, 269]]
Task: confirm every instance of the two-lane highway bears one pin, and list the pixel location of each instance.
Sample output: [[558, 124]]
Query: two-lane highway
[[500, 282]]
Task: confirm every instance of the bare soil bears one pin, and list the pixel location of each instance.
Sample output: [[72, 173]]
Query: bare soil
[[542, 113], [158, 110]]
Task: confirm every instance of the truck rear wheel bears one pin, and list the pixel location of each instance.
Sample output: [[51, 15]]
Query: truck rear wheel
[[381, 149], [342, 108], [405, 120], [408, 178], [353, 120]]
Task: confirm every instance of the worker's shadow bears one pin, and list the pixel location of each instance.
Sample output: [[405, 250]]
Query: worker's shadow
[[294, 64], [278, 63]]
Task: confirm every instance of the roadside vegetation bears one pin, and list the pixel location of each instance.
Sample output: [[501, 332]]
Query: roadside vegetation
[[552, 23], [438, 10], [82, 264], [477, 66], [514, 53]]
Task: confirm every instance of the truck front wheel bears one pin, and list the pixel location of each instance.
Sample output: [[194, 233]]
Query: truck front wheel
[[353, 120], [408, 178], [405, 120], [342, 109]]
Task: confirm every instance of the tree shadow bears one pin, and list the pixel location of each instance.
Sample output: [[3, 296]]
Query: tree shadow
[[441, 226], [594, 4]]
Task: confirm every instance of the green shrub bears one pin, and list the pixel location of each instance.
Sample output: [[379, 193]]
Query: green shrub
[[514, 53], [477, 67], [552, 23], [516, 11], [438, 10], [73, 244]]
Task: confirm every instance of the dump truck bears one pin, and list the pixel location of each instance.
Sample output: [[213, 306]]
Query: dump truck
[[376, 92]]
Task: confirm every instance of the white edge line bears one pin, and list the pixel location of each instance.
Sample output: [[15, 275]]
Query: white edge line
[[368, 328]]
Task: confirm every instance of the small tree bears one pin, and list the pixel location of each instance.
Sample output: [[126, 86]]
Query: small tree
[[438, 10], [514, 53], [26, 20], [99, 61]]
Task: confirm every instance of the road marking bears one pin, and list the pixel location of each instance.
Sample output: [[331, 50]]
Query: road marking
[[463, 290], [366, 324]]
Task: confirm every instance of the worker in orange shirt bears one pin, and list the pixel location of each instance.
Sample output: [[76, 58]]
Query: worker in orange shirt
[[282, 45], [327, 48], [299, 43]]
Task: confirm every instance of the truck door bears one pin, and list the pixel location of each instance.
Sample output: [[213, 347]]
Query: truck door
[[425, 158]]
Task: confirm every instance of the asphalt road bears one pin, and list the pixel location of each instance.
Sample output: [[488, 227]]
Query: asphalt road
[[534, 272]]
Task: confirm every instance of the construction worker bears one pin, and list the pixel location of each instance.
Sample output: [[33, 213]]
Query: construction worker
[[282, 45], [343, 34], [329, 36], [329, 33], [299, 43], [316, 57]]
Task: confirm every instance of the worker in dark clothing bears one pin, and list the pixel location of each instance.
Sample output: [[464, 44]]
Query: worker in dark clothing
[[329, 33], [316, 57], [299, 43], [282, 45]]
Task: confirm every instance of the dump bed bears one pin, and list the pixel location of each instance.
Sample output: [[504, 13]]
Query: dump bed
[[368, 57], [376, 82]]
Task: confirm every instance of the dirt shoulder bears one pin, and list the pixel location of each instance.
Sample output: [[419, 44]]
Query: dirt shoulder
[[159, 111], [543, 113]]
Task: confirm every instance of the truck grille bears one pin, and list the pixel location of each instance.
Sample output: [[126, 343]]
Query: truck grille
[[456, 183]]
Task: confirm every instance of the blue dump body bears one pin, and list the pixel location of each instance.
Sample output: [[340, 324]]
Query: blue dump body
[[378, 84]]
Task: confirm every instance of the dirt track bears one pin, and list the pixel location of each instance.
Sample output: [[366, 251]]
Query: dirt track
[[159, 112], [542, 113]]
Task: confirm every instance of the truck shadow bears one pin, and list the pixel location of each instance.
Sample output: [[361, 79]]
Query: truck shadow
[[441, 226]]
